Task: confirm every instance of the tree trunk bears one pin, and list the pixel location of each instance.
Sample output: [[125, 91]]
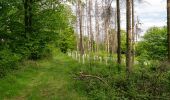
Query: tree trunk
[[77, 25], [30, 15], [26, 17], [118, 33], [80, 28], [168, 27], [133, 33], [87, 27], [129, 36], [97, 25], [90, 19]]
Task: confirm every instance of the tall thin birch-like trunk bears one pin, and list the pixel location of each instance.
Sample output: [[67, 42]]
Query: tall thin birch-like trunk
[[77, 25], [90, 19], [80, 28], [97, 25], [87, 26]]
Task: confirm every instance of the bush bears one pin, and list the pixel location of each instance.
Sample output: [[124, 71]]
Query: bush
[[8, 61], [153, 45], [151, 82]]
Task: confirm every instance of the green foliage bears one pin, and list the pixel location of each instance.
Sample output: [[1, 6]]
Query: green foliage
[[51, 24], [46, 79], [145, 83], [8, 61], [123, 41], [66, 40], [153, 46]]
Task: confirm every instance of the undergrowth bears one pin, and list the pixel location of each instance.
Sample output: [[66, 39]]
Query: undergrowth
[[110, 82]]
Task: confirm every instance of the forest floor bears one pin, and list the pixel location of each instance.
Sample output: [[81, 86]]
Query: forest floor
[[47, 79]]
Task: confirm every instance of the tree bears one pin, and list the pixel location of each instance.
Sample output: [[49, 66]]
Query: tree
[[134, 35], [30, 27], [129, 35], [97, 25], [90, 26], [153, 45], [168, 27], [80, 27], [28, 16], [133, 32], [118, 32]]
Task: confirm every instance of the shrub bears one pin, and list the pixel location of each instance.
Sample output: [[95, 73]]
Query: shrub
[[153, 45], [8, 61], [151, 82]]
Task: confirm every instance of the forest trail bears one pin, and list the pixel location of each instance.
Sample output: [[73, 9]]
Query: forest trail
[[41, 80]]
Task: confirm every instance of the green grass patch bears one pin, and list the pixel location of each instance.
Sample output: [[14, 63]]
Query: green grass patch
[[47, 79]]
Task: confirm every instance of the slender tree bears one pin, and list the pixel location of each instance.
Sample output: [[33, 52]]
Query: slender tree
[[133, 33], [129, 35], [77, 25], [118, 32], [90, 22], [80, 28], [97, 25], [168, 26], [133, 29]]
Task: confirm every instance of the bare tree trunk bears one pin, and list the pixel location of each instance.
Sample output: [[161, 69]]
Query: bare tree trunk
[[133, 33], [77, 25], [118, 33], [87, 25], [168, 27], [114, 34], [97, 25], [106, 36], [80, 28], [90, 19], [129, 36], [106, 24], [83, 28]]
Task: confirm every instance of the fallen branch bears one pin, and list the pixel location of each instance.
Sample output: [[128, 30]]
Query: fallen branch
[[82, 75]]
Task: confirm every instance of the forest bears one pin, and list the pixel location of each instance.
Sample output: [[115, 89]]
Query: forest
[[84, 50]]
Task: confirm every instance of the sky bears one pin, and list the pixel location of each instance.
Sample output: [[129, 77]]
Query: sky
[[151, 13]]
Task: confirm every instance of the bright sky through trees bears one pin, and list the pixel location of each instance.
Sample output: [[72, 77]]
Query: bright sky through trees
[[150, 13]]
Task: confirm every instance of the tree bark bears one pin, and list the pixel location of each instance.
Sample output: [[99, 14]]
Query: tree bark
[[80, 28], [133, 33], [77, 25], [90, 19], [118, 33], [168, 28], [129, 36], [97, 25]]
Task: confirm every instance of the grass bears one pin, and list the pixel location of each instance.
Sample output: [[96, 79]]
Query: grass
[[52, 79], [47, 79]]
